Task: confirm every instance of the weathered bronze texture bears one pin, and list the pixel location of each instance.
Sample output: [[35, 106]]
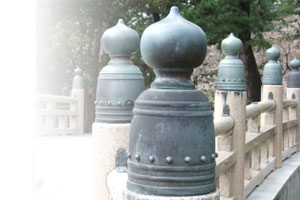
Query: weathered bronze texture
[[172, 140], [121, 160], [272, 74], [231, 75], [294, 75], [120, 82]]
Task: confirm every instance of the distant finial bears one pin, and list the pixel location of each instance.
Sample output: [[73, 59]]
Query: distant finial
[[272, 74], [295, 64], [120, 40], [273, 53], [294, 75], [231, 45], [231, 73], [77, 82], [78, 71]]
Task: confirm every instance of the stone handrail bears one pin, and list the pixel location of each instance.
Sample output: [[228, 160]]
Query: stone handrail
[[251, 141], [259, 143], [58, 115], [61, 115], [223, 125], [255, 109], [289, 103]]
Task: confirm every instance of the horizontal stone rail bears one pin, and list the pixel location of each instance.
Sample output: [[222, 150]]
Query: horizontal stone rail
[[289, 103], [255, 109], [223, 125], [62, 115], [56, 98], [58, 115]]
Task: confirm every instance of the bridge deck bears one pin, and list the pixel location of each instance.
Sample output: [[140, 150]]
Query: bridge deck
[[62, 167], [276, 184]]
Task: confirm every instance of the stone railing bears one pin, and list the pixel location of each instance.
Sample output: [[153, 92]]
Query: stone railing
[[160, 154], [62, 115], [259, 144]]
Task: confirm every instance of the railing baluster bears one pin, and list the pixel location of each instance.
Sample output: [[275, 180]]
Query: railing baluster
[[50, 119], [264, 153], [247, 166]]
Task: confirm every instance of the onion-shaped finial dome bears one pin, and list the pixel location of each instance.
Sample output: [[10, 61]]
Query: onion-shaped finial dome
[[231, 45], [172, 136], [120, 82], [231, 74], [173, 44], [295, 64], [77, 82], [120, 40], [272, 74], [294, 75], [273, 53]]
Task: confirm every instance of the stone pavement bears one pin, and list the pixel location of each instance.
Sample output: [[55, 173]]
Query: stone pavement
[[63, 167]]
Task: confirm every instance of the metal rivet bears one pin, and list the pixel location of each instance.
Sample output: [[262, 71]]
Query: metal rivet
[[95, 102], [169, 159], [137, 157], [119, 103], [129, 103], [128, 155], [223, 79], [203, 158], [213, 156], [109, 103], [216, 154], [240, 80], [101, 103], [234, 80], [151, 159], [187, 159]]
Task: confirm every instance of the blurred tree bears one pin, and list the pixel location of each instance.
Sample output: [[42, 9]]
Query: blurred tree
[[68, 35]]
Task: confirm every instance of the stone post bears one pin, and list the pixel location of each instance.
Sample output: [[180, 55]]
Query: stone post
[[78, 92], [119, 84], [172, 140], [231, 92], [293, 91], [272, 86]]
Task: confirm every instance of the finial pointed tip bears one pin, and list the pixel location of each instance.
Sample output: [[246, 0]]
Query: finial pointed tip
[[121, 21], [231, 35], [174, 10]]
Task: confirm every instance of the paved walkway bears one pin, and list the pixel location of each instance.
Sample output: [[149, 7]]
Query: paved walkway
[[62, 167]]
